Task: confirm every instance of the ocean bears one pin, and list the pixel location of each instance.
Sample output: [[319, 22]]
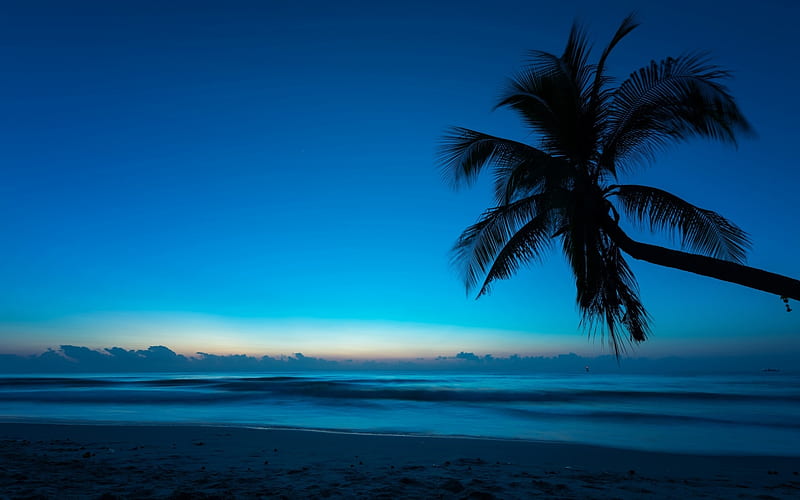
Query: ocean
[[751, 414]]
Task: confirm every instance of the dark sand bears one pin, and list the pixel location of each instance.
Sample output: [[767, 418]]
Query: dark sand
[[89, 461]]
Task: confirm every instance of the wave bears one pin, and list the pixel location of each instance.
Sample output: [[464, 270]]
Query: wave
[[132, 397], [209, 390], [632, 418], [12, 382]]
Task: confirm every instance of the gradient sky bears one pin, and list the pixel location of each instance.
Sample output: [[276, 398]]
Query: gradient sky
[[259, 177]]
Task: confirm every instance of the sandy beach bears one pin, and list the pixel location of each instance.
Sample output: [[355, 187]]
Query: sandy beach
[[103, 461]]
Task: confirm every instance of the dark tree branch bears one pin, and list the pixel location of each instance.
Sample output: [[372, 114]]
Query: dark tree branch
[[724, 270]]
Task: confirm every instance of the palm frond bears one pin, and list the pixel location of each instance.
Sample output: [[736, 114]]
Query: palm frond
[[669, 101], [576, 57], [463, 153], [617, 304], [528, 244], [531, 174], [628, 24], [700, 230], [476, 249], [536, 94], [607, 292], [548, 99]]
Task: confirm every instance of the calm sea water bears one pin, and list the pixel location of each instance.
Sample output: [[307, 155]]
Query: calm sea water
[[741, 414]]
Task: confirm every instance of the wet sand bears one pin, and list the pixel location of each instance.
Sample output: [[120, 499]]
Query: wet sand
[[105, 461]]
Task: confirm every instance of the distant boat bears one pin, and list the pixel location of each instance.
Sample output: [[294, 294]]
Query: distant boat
[[770, 370]]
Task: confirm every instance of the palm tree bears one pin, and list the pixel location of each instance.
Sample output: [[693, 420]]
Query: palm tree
[[566, 191]]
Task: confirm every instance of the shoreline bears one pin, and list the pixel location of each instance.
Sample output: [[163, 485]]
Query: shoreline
[[397, 434], [159, 461]]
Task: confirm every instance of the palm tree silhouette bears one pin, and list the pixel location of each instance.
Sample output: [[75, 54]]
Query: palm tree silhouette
[[566, 189]]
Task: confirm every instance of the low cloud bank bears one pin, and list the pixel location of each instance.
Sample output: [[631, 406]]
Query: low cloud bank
[[77, 359]]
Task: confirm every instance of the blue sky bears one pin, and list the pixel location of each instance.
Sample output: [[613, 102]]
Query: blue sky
[[259, 177]]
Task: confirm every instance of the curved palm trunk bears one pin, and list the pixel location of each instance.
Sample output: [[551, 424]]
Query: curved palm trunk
[[724, 270]]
